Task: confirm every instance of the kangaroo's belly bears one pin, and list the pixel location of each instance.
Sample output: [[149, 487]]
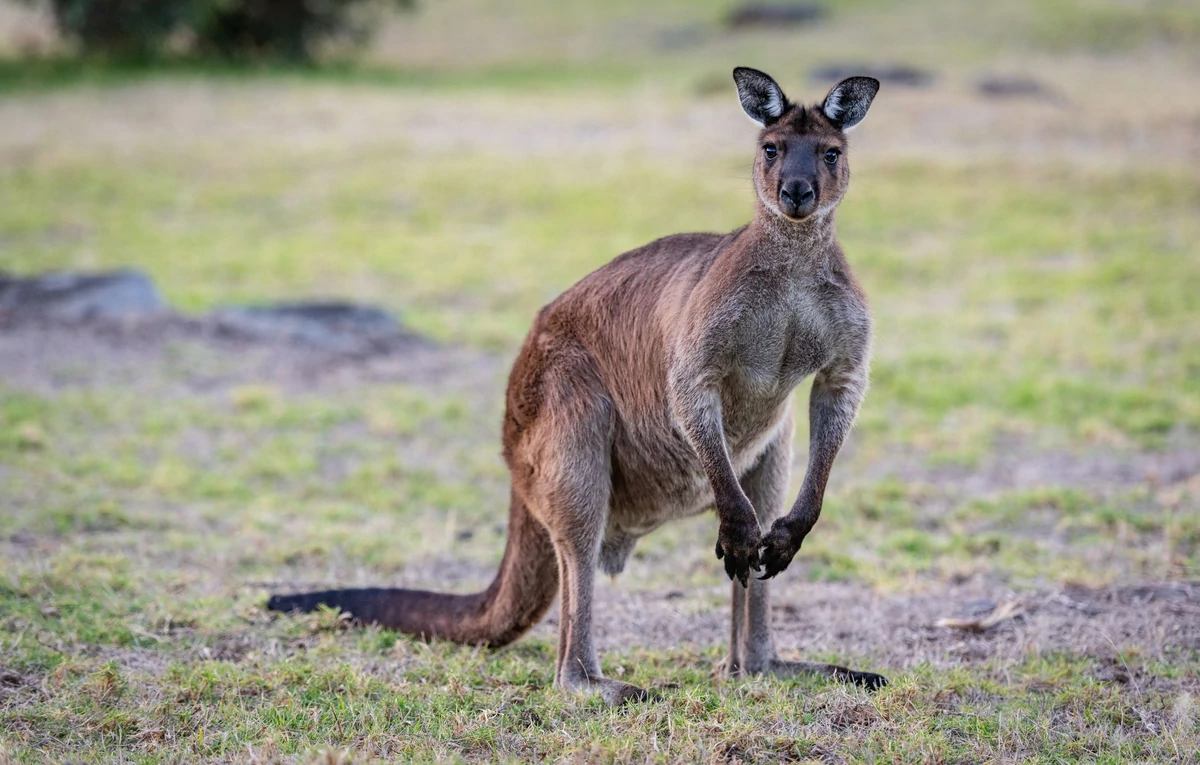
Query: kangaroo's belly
[[657, 476], [654, 483]]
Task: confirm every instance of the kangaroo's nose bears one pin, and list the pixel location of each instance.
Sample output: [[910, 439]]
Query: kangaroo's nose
[[796, 195]]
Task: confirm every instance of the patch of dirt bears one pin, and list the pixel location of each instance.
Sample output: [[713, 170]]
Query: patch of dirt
[[1120, 628], [947, 120], [174, 355], [1017, 466], [1155, 619]]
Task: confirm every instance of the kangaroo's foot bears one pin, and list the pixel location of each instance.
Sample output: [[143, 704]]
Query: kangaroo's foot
[[784, 668], [614, 692]]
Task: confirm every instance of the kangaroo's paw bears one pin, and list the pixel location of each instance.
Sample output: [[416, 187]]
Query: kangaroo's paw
[[738, 544], [868, 680], [780, 545]]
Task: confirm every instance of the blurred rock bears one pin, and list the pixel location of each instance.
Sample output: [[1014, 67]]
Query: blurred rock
[[74, 297], [976, 608], [125, 303], [331, 326], [774, 15], [897, 75], [996, 86]]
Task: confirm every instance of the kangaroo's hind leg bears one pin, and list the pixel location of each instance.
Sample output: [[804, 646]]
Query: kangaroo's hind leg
[[578, 666], [752, 646], [568, 489]]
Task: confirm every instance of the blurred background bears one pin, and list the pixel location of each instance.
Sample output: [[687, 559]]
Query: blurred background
[[336, 221]]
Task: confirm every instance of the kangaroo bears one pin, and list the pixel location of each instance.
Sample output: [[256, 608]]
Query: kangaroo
[[660, 386]]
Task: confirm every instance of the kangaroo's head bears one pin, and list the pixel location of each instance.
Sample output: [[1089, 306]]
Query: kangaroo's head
[[801, 165]]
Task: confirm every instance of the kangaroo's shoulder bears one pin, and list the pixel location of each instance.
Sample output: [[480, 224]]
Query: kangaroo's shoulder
[[634, 281], [669, 251]]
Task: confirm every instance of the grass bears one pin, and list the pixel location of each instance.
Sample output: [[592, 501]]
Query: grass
[[219, 710], [1036, 309], [53, 73]]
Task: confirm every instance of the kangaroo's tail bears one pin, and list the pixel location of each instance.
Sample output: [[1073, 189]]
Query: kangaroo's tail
[[517, 598]]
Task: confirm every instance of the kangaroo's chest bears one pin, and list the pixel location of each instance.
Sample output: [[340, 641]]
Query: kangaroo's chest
[[775, 349]]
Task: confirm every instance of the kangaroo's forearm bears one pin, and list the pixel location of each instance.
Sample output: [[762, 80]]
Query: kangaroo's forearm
[[833, 405], [698, 411]]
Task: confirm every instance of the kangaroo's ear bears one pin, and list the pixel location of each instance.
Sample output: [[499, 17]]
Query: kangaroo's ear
[[847, 103], [761, 97]]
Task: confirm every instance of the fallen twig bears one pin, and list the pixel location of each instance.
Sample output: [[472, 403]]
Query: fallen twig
[[984, 622]]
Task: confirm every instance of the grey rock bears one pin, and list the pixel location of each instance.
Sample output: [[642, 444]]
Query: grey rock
[[774, 15], [76, 297], [976, 608], [332, 326], [897, 75], [995, 86]]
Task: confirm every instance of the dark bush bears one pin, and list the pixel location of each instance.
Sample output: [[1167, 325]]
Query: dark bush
[[291, 30]]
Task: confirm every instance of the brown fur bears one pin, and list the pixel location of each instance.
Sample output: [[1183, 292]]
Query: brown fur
[[659, 386]]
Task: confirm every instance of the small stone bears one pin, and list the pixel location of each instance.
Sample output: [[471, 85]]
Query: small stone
[[77, 297]]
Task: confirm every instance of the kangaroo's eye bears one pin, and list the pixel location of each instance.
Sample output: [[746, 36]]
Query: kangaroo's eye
[[831, 157], [770, 151]]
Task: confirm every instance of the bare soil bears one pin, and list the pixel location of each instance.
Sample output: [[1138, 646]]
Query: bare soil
[[181, 356]]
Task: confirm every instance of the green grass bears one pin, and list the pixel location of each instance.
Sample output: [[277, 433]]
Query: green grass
[[1116, 26], [1032, 306], [22, 76], [220, 710]]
